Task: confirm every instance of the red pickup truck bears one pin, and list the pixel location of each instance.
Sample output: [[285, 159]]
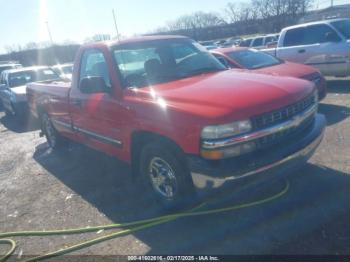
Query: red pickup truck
[[183, 121]]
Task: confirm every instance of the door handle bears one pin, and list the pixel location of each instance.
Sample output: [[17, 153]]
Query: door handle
[[301, 51], [77, 102]]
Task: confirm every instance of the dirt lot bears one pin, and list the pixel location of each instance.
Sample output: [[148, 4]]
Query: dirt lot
[[77, 187]]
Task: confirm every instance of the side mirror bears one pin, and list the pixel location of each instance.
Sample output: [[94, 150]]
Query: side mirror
[[332, 37], [93, 84]]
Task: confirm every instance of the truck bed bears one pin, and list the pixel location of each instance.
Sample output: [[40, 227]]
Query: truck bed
[[43, 93]]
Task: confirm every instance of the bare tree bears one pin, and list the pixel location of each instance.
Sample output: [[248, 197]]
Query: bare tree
[[31, 45], [195, 21], [239, 11]]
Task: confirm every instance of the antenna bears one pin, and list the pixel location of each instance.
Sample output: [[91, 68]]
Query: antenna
[[48, 30], [115, 24]]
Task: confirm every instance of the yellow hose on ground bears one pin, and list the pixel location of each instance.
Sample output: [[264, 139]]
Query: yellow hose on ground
[[132, 227]]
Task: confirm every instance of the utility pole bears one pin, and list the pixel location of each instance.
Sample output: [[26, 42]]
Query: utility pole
[[332, 3], [48, 30], [115, 24]]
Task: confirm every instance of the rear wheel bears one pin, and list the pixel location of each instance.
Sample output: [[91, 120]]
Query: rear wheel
[[54, 139], [167, 177]]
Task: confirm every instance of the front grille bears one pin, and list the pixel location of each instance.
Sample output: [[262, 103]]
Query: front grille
[[279, 116], [282, 115], [283, 135]]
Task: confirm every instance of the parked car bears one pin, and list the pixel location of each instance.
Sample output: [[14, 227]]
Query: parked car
[[260, 41], [246, 42], [323, 44], [209, 45], [64, 70], [6, 66], [13, 87], [261, 62], [183, 121], [232, 41]]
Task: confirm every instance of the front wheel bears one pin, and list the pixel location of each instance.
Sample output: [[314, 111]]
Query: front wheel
[[164, 171], [54, 139]]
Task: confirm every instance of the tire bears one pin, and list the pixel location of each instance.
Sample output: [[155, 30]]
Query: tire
[[54, 139], [163, 169], [12, 112]]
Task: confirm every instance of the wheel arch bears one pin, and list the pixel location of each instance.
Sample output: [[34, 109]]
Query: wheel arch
[[140, 138]]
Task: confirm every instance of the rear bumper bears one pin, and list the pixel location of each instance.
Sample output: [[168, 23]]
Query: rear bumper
[[209, 176]]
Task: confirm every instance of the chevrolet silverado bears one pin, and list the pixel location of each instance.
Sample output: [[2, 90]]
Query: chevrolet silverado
[[183, 121]]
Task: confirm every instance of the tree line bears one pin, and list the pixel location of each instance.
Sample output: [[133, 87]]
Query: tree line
[[272, 14]]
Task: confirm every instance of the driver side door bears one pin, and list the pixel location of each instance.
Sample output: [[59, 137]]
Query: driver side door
[[96, 115]]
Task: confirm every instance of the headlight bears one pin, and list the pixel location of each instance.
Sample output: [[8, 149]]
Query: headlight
[[227, 130]]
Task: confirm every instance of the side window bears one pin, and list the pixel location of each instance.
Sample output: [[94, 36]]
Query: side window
[[313, 34], [93, 63], [294, 37], [246, 43], [269, 39], [318, 34], [258, 42]]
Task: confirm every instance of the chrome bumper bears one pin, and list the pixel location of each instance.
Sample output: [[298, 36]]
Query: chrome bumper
[[291, 157]]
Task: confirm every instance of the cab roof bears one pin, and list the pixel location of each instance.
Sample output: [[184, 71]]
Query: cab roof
[[316, 23], [135, 40]]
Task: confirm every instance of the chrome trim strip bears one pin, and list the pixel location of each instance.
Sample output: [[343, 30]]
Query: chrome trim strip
[[294, 122], [201, 181], [94, 135], [99, 137]]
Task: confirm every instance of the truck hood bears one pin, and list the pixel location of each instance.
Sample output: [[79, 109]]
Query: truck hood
[[287, 69], [228, 95]]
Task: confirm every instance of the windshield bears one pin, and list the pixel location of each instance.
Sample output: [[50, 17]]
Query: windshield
[[343, 27], [253, 59], [24, 77], [154, 62]]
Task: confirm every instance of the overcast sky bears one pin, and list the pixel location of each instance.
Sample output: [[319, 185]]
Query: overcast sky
[[23, 21]]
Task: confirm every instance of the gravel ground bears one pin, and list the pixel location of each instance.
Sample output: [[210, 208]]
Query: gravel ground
[[77, 187]]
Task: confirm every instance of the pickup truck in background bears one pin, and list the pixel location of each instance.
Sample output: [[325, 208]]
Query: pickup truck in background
[[324, 45], [13, 87], [184, 122]]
